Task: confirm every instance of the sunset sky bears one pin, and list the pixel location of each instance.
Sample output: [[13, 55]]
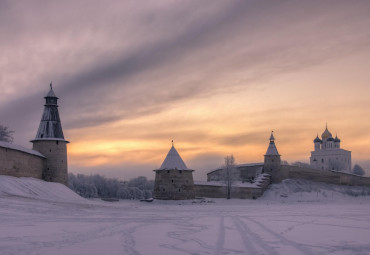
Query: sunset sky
[[214, 76]]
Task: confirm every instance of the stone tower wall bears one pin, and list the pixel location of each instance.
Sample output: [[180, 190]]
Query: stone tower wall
[[173, 185], [272, 167], [55, 151], [20, 164]]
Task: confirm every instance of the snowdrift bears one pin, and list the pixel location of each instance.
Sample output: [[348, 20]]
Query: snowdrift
[[309, 191], [36, 189]]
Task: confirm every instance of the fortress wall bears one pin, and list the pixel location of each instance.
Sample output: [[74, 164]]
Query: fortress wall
[[213, 191], [246, 193], [20, 164], [241, 172], [210, 191], [339, 178]]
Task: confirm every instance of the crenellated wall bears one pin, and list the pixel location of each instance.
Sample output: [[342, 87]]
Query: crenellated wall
[[20, 163]]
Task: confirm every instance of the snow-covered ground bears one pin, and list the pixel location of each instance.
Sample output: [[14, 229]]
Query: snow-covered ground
[[294, 217]]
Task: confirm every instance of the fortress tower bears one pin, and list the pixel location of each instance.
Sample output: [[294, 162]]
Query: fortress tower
[[272, 159], [50, 142], [173, 180]]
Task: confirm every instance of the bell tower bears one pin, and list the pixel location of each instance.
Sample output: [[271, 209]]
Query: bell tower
[[50, 142]]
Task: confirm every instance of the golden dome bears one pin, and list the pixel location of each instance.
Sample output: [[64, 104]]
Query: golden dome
[[326, 134]]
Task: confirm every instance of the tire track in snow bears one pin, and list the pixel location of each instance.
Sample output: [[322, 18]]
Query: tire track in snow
[[184, 228], [252, 242], [221, 237], [129, 240], [297, 246]]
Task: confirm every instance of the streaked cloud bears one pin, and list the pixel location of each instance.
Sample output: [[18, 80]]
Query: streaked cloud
[[215, 76]]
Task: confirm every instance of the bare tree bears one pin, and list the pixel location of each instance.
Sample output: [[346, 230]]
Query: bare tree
[[6, 135], [229, 172]]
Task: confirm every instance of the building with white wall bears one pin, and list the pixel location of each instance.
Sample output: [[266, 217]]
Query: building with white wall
[[328, 155]]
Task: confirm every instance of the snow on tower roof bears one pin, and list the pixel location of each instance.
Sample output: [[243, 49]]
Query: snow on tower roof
[[173, 161], [271, 150]]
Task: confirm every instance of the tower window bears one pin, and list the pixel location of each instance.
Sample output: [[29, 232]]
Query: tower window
[[50, 150], [172, 181], [57, 142]]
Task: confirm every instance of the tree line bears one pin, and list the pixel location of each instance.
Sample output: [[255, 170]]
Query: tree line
[[98, 186]]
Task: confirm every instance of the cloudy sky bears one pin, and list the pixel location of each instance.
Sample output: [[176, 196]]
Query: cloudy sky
[[214, 76]]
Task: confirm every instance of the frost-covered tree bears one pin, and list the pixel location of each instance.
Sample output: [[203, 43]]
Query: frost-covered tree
[[229, 174], [6, 135], [99, 186], [357, 169]]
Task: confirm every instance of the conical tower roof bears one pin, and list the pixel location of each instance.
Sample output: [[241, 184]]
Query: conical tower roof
[[173, 161], [50, 127], [272, 150], [51, 92]]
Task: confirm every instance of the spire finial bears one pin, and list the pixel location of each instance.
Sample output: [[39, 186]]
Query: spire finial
[[51, 85], [172, 143], [272, 138]]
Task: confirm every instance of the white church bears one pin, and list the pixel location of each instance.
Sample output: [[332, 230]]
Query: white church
[[328, 155]]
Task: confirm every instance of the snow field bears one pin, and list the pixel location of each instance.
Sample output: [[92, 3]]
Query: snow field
[[41, 220]]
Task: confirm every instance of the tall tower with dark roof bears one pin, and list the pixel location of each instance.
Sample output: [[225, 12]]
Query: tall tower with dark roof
[[51, 143]]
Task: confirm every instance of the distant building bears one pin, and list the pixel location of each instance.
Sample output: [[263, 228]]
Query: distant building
[[173, 180], [328, 155]]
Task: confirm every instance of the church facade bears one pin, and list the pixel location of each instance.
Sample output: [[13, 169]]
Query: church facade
[[328, 155]]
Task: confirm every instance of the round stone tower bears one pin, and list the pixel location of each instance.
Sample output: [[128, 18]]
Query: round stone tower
[[272, 160], [173, 180], [50, 142]]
